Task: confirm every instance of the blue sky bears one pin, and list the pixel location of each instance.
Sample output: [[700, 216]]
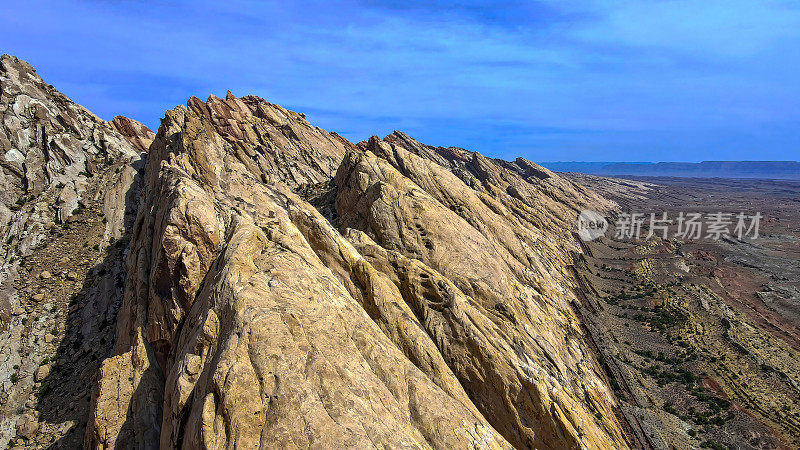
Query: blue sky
[[552, 80]]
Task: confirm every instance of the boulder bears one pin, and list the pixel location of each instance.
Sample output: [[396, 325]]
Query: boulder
[[41, 372]]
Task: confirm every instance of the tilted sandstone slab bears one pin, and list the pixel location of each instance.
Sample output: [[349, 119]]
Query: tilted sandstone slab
[[506, 329], [535, 194], [135, 132], [259, 341], [424, 300], [426, 312]]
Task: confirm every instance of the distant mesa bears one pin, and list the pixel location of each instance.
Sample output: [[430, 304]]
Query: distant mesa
[[778, 170]]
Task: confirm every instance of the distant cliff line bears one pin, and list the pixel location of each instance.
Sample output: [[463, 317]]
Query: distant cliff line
[[784, 170]]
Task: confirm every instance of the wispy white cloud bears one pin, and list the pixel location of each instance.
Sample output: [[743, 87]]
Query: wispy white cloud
[[703, 79], [712, 28]]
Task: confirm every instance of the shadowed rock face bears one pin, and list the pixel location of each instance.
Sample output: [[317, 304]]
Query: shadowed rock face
[[286, 288], [66, 181]]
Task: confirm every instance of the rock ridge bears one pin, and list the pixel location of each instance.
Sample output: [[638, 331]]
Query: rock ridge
[[459, 292], [244, 279]]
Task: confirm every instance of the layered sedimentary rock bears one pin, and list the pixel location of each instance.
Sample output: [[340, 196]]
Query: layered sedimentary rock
[[290, 289], [66, 178], [135, 132], [494, 304], [267, 283]]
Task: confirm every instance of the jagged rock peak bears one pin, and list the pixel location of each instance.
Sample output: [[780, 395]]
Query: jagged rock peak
[[550, 201], [49, 142], [444, 155], [445, 304], [136, 132], [273, 142], [244, 324], [432, 310]]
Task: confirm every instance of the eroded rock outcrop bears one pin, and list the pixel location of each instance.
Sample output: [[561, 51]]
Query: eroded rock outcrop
[[495, 304], [67, 179], [238, 324], [267, 283], [428, 307], [135, 132]]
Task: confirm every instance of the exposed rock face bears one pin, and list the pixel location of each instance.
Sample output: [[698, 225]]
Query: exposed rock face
[[522, 342], [286, 288], [60, 168], [137, 133], [431, 310], [236, 321], [48, 143]]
